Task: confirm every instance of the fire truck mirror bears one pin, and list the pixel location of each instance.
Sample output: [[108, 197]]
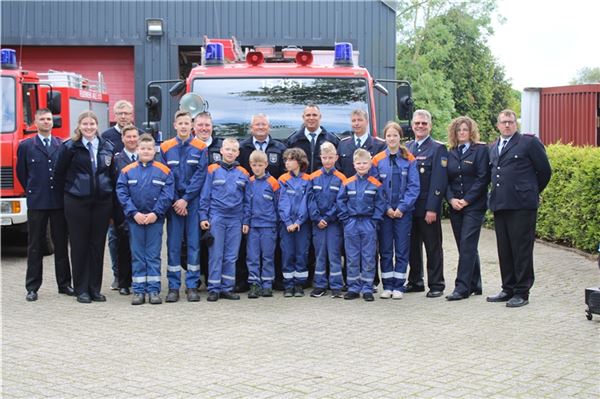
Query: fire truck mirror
[[177, 88], [53, 101], [57, 121], [154, 103], [404, 102]]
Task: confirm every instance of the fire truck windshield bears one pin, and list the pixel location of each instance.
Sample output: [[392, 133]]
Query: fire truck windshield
[[232, 102], [8, 104]]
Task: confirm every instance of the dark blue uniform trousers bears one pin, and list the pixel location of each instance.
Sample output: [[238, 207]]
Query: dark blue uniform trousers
[[360, 241], [223, 253], [394, 239], [260, 253], [146, 243], [294, 250], [328, 250], [466, 226]]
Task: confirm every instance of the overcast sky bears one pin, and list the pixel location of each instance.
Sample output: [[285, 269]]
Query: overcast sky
[[545, 43]]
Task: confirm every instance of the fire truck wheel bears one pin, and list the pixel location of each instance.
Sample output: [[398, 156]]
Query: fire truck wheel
[[48, 244]]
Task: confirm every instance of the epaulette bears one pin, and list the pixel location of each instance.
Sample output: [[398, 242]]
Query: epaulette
[[304, 176], [346, 138], [374, 181], [212, 167], [244, 171], [316, 174], [410, 156], [199, 144], [274, 183], [129, 167], [285, 177], [379, 138], [167, 145], [378, 157], [349, 180], [339, 175], [440, 142], [164, 168]]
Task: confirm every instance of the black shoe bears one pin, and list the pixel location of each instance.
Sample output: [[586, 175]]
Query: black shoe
[[477, 291], [410, 287], [434, 294], [318, 292], [212, 296], [368, 296], [242, 288], [229, 295], [67, 290], [288, 293], [502, 296], [254, 292], [31, 296], [351, 295], [124, 291], [84, 298], [98, 297], [172, 296], [138, 299], [455, 296], [516, 302], [154, 298], [336, 294], [298, 291], [192, 295], [267, 292]]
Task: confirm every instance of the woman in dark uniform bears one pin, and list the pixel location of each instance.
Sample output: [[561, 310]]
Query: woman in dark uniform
[[468, 179], [84, 168]]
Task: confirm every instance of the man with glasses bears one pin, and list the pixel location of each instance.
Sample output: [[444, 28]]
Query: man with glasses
[[520, 172], [432, 159]]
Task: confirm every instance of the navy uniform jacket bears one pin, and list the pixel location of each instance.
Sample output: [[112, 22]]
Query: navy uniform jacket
[[298, 140], [120, 161], [188, 161], [35, 171], [214, 151], [432, 159], [111, 134], [519, 174], [274, 151], [74, 169], [346, 148], [469, 176], [361, 197], [224, 193]]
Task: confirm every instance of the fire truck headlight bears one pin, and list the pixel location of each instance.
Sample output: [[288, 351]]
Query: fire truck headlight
[[7, 207]]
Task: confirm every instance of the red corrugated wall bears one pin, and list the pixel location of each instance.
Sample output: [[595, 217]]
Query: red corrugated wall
[[115, 63], [570, 114]]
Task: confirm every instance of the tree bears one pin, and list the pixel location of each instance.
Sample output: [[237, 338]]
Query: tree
[[586, 75]]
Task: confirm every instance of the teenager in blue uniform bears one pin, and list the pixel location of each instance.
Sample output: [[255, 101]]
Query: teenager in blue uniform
[[468, 180], [396, 169], [327, 231], [145, 191], [36, 157], [295, 228], [224, 211], [432, 159], [187, 158], [262, 195], [84, 169], [361, 207]]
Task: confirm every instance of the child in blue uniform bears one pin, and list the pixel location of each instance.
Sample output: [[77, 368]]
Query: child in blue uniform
[[327, 231], [262, 195], [396, 168], [361, 207], [145, 191], [295, 229], [224, 211]]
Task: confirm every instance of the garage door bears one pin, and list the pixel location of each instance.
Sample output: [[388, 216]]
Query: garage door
[[115, 63]]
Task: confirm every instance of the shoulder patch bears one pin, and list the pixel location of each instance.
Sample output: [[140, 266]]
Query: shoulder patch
[[349, 180], [285, 177], [212, 167], [244, 171], [162, 167], [273, 182], [167, 145], [304, 176], [129, 167], [316, 174], [379, 157], [339, 175], [199, 144], [409, 156], [374, 181]]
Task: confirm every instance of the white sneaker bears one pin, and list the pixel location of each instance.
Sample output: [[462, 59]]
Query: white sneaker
[[397, 295], [386, 294]]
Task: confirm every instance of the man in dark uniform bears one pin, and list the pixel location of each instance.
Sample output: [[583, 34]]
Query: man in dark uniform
[[520, 172], [432, 160], [310, 136], [359, 138], [260, 140], [36, 158]]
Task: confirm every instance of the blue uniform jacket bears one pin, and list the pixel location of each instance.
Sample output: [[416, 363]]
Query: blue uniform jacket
[[120, 161], [432, 160], [322, 196], [361, 196], [74, 169], [188, 162], [35, 171], [293, 196], [519, 174], [469, 176], [409, 180], [224, 192], [346, 148], [262, 196], [145, 188]]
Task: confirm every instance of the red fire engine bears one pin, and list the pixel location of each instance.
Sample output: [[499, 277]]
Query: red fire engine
[[66, 94]]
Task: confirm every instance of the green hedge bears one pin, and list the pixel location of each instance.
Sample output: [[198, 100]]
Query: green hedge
[[570, 209]]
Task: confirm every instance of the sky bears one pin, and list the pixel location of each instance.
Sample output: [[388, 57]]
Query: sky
[[545, 43]]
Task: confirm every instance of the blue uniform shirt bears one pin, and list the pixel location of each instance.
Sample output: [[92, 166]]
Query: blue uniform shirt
[[322, 197], [262, 196], [293, 198], [224, 192], [399, 178], [188, 161]]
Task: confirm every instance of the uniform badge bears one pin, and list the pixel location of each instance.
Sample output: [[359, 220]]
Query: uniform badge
[[273, 157], [422, 170], [444, 162], [216, 157], [437, 192], [107, 160]]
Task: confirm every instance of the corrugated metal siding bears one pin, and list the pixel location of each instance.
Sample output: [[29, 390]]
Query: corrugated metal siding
[[368, 25], [570, 114]]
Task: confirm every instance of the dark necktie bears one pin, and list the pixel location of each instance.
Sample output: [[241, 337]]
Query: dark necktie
[[502, 145], [260, 145], [358, 143], [133, 157], [92, 157], [47, 142], [461, 148], [312, 142]]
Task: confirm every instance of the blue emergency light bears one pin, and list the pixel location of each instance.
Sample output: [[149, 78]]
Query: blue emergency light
[[343, 54], [9, 58], [214, 54]]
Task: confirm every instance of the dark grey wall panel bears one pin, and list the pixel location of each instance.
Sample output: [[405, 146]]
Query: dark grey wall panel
[[368, 25]]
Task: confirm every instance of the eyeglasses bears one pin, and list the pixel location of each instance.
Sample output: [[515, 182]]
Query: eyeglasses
[[506, 122], [123, 113], [420, 123]]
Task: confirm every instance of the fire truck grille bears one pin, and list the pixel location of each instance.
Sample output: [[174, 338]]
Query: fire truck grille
[[6, 177]]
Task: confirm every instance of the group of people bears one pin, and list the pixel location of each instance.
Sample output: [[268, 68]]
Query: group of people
[[227, 204]]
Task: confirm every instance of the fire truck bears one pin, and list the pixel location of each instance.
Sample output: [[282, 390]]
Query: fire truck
[[66, 94], [233, 85]]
